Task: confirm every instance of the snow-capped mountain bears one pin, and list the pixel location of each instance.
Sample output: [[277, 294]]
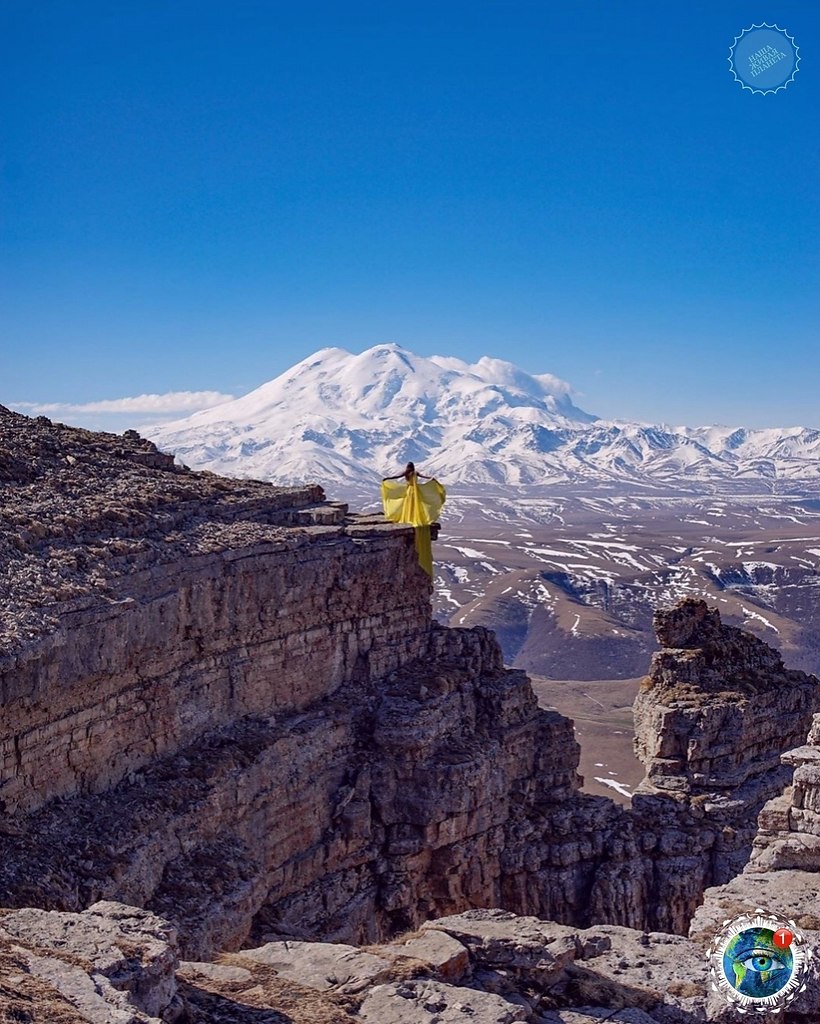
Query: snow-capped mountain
[[347, 420]]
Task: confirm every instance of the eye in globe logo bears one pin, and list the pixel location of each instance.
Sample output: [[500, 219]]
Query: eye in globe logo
[[758, 962], [754, 965]]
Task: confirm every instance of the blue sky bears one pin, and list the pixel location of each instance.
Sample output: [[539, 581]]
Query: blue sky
[[197, 195]]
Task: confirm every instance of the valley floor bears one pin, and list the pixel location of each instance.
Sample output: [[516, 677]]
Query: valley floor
[[602, 712], [569, 583]]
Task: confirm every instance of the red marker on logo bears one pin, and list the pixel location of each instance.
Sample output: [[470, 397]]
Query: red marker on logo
[[783, 938]]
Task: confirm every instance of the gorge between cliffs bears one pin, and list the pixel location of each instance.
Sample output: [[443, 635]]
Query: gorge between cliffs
[[230, 722]]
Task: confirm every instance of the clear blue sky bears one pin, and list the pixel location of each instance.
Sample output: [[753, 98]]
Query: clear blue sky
[[197, 195]]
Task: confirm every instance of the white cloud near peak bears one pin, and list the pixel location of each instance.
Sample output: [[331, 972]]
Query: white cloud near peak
[[170, 402]]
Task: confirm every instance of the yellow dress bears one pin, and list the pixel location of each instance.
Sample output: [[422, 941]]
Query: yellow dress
[[408, 501]]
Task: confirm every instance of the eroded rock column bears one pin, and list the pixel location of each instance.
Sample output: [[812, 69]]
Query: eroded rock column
[[712, 719]]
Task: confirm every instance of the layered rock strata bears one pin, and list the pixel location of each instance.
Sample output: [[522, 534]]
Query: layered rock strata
[[227, 702], [193, 619], [444, 787], [712, 719]]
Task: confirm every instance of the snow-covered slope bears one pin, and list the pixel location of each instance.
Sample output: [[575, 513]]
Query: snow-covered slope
[[344, 419]]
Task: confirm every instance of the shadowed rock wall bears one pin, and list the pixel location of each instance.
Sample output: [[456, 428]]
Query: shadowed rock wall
[[194, 645]]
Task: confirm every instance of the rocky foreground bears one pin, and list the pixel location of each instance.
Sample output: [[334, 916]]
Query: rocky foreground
[[114, 964]]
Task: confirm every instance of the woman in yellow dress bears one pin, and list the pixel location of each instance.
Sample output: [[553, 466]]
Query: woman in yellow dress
[[405, 500]]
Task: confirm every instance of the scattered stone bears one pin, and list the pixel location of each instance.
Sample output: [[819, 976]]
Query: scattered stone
[[593, 1015], [222, 973], [431, 1002], [322, 965], [536, 951], [446, 957]]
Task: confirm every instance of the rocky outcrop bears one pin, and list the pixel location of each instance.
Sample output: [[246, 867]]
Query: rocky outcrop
[[782, 875], [789, 825], [190, 607], [712, 719], [112, 964], [227, 702], [716, 705]]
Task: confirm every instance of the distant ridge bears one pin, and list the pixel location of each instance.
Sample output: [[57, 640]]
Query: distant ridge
[[344, 419]]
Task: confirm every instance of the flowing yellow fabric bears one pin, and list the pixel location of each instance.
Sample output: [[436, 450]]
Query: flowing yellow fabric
[[412, 502], [417, 504]]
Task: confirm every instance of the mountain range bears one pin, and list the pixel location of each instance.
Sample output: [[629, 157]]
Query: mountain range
[[346, 420]]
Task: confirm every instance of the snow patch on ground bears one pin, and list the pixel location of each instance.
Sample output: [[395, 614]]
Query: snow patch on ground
[[468, 552], [753, 615], [619, 786]]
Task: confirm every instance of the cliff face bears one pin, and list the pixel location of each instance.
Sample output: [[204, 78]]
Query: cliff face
[[782, 876], [144, 607], [376, 809], [227, 702]]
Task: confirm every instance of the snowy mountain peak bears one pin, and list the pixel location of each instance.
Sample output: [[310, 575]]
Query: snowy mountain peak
[[344, 419]]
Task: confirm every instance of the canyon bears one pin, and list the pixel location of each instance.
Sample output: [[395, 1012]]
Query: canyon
[[231, 723]]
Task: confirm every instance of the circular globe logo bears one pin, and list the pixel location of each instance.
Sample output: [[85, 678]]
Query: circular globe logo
[[764, 58], [753, 966], [758, 962]]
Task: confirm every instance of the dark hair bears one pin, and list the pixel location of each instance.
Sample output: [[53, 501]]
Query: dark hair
[[409, 470]]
